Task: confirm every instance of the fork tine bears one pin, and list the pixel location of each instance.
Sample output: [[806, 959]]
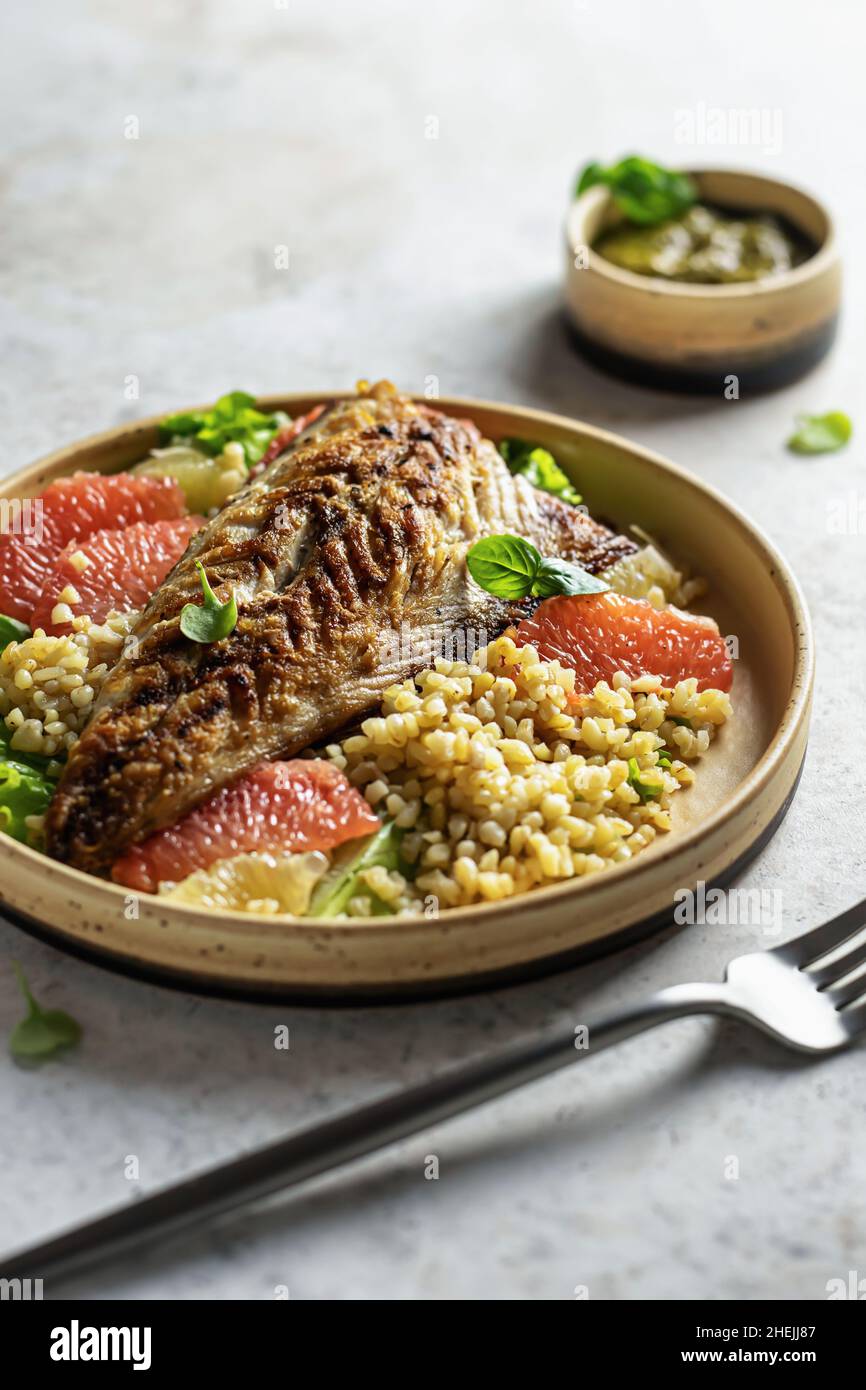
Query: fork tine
[[846, 994], [815, 944], [826, 974]]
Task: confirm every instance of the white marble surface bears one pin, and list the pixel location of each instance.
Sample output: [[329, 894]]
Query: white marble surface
[[304, 125]]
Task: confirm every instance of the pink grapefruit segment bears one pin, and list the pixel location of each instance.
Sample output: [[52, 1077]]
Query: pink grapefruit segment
[[283, 438], [299, 805], [597, 635], [121, 569], [72, 509]]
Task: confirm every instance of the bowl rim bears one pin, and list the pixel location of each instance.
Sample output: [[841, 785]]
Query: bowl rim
[[812, 267], [782, 741]]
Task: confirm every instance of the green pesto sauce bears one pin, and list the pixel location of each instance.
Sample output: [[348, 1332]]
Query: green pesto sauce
[[705, 246]]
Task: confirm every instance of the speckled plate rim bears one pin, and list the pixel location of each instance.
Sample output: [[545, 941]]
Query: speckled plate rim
[[781, 746], [373, 996]]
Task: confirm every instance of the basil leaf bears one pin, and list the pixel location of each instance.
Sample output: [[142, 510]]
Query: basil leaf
[[821, 434], [232, 419], [645, 193], [343, 880], [539, 467], [12, 631], [647, 791], [592, 174], [505, 566], [562, 577], [511, 568], [211, 620], [43, 1031]]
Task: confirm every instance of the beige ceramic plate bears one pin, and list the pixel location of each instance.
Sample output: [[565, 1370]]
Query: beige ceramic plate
[[741, 793]]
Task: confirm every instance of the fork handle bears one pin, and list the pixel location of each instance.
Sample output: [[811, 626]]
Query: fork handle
[[350, 1135], [676, 1001]]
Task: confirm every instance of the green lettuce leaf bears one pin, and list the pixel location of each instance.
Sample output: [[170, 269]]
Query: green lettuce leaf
[[342, 881], [12, 631], [33, 762], [23, 792], [233, 418], [25, 786], [539, 467]]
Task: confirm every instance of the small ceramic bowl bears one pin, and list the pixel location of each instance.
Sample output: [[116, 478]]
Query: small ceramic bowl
[[745, 783], [695, 337]]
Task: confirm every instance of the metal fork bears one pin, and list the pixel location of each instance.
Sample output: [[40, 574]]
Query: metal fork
[[787, 992]]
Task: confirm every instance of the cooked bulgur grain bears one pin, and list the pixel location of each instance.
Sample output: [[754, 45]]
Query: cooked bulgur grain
[[505, 779], [48, 684]]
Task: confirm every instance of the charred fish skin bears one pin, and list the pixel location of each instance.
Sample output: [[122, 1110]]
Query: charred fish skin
[[353, 538]]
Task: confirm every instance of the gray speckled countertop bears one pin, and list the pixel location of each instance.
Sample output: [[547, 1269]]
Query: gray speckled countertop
[[264, 125]]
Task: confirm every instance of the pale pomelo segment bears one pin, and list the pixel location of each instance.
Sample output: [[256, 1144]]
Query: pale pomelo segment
[[121, 569], [72, 509], [207, 482], [597, 635], [262, 883], [645, 574], [305, 804]]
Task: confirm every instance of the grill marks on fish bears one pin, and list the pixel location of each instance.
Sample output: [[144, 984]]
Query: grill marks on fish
[[360, 528]]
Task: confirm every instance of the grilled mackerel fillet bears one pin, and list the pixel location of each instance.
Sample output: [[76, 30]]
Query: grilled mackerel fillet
[[347, 559]]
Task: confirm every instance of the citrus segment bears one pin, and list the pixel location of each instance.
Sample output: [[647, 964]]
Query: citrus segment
[[73, 508], [597, 635], [305, 804]]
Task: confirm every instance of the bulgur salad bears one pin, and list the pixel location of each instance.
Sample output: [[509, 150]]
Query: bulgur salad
[[358, 663]]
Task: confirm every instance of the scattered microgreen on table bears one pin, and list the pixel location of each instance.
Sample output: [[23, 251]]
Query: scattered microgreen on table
[[43, 1031], [209, 621], [511, 568], [821, 434], [644, 192]]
